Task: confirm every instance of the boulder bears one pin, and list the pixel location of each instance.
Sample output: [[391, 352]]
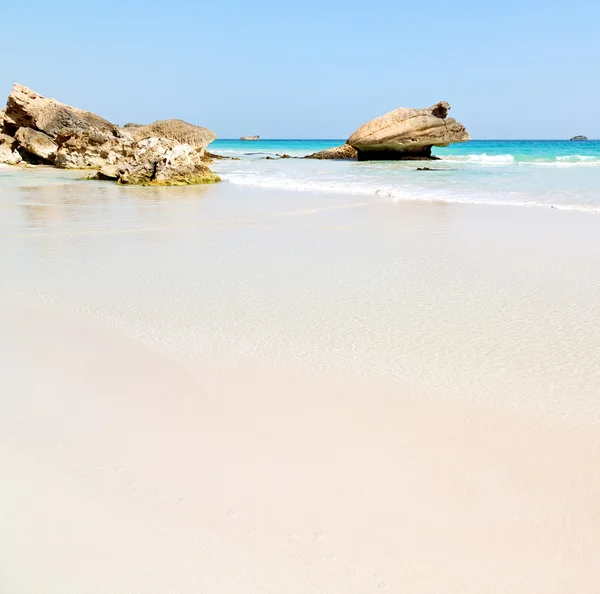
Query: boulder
[[37, 143], [92, 149], [579, 137], [167, 152], [338, 152], [8, 153], [107, 173], [195, 136], [165, 162], [7, 125], [407, 133], [28, 109], [131, 125], [250, 138]]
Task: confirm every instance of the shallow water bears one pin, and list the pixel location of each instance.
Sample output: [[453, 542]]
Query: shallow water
[[543, 173], [480, 303]]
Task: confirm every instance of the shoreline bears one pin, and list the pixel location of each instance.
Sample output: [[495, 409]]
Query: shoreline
[[282, 186]]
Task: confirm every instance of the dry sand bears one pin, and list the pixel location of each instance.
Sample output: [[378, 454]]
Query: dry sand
[[124, 472]]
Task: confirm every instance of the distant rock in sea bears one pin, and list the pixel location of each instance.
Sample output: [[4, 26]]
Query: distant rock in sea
[[401, 134], [579, 138], [40, 130], [250, 138]]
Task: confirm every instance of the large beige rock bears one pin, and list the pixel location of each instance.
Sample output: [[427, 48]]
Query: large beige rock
[[165, 162], [28, 109], [166, 152], [37, 143], [183, 132], [8, 153], [93, 149], [407, 133], [338, 152]]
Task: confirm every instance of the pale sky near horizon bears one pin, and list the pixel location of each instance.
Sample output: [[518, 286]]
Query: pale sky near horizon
[[515, 69]]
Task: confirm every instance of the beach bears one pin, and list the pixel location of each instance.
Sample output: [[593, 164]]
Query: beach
[[244, 388]]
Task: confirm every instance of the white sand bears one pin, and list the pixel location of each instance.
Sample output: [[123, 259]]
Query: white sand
[[121, 473]]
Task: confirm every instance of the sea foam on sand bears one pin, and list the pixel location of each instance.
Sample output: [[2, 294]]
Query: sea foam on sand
[[125, 472]]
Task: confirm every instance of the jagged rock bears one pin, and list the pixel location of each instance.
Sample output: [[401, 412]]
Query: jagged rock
[[8, 153], [108, 173], [7, 125], [195, 136], [131, 125], [37, 143], [8, 140], [165, 162], [250, 138], [28, 109], [579, 137], [217, 157], [92, 149], [167, 152], [338, 152], [407, 133]]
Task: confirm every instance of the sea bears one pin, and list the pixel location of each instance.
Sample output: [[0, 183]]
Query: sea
[[560, 174]]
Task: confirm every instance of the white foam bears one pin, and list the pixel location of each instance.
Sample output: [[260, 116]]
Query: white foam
[[386, 192], [482, 158]]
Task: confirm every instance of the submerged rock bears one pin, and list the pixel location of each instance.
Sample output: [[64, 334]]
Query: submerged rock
[[250, 138], [165, 162], [579, 137], [407, 133], [338, 152]]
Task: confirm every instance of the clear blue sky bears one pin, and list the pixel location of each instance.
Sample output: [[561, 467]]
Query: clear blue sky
[[313, 69]]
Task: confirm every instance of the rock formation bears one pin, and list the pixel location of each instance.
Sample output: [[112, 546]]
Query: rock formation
[[37, 129], [579, 137], [165, 162], [37, 143], [338, 152], [8, 150], [250, 138], [407, 133], [400, 134], [178, 130]]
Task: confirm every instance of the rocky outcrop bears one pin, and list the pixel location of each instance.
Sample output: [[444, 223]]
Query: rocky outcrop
[[38, 129], [27, 109], [250, 138], [92, 149], [407, 133], [8, 150], [165, 162], [37, 143], [196, 136], [345, 151], [579, 137]]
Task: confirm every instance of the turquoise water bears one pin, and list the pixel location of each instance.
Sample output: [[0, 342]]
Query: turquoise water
[[543, 173]]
